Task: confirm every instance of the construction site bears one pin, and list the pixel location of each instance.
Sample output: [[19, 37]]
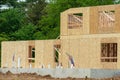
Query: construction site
[[88, 45]]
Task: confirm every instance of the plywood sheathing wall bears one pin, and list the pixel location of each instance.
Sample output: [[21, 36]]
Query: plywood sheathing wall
[[117, 18], [90, 20], [94, 18], [64, 22], [118, 53], [110, 65], [88, 52], [18, 49], [39, 52], [44, 53], [85, 52], [64, 49]]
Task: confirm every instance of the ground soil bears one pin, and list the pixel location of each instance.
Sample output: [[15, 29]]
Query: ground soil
[[25, 76]]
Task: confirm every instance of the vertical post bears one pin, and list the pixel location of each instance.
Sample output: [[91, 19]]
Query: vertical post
[[19, 62]]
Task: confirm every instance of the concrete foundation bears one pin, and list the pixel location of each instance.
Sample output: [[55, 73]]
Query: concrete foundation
[[64, 73]]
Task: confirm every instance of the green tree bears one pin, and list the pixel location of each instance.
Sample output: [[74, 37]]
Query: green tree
[[11, 21], [25, 33], [9, 2], [35, 10]]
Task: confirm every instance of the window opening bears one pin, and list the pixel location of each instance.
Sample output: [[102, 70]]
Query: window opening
[[31, 57], [109, 52], [56, 52], [106, 19], [75, 21]]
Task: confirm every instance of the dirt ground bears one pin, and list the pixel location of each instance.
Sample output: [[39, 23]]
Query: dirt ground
[[25, 76]]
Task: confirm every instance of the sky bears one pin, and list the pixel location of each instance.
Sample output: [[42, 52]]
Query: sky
[[21, 0]]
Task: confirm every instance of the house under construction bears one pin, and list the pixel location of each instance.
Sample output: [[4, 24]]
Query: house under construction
[[89, 38]]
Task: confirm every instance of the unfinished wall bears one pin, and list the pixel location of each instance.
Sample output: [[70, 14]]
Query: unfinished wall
[[111, 26], [83, 42], [97, 19], [86, 50], [45, 53], [11, 51], [84, 29]]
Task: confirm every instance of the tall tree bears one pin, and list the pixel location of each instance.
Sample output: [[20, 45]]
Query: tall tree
[[25, 33], [9, 2], [11, 20], [35, 10]]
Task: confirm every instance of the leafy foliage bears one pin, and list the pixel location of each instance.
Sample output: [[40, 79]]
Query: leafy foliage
[[11, 20], [9, 2], [35, 10], [25, 33]]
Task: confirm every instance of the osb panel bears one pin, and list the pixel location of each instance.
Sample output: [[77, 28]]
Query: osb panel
[[85, 28], [63, 24], [85, 51], [117, 18], [75, 31], [49, 53], [18, 49], [109, 40], [64, 21], [118, 53], [117, 35], [86, 20], [31, 43], [58, 41], [5, 55], [89, 54], [22, 52], [39, 52], [75, 10], [74, 50], [109, 65], [106, 30], [93, 20], [106, 7], [64, 50], [100, 35]]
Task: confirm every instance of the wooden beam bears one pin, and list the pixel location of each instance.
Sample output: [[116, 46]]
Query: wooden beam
[[108, 16]]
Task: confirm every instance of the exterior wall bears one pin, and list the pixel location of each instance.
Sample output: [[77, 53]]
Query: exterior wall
[[90, 20], [86, 50], [84, 44], [16, 49], [94, 19], [64, 22], [44, 53]]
